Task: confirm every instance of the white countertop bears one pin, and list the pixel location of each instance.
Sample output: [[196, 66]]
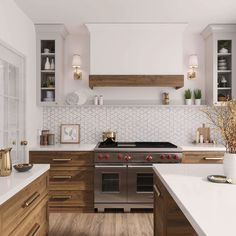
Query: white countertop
[[65, 147], [10, 185], [207, 147], [90, 147], [209, 207]]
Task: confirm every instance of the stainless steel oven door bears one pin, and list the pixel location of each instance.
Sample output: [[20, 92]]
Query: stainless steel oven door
[[140, 183], [110, 183]]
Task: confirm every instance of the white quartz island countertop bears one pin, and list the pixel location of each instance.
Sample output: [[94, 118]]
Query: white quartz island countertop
[[205, 147], [10, 185], [209, 207], [65, 147]]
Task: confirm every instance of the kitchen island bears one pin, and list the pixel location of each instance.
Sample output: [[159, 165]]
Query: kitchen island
[[196, 206], [24, 201]]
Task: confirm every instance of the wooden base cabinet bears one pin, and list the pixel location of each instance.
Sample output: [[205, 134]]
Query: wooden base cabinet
[[203, 157], [26, 213], [70, 179], [168, 218]]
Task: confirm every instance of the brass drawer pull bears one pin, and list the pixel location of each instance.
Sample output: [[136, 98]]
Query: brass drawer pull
[[157, 190], [62, 177], [62, 197], [61, 159], [34, 230], [213, 158], [30, 200]]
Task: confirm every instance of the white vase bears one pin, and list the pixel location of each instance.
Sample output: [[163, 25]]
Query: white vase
[[188, 101], [197, 102], [47, 64], [52, 65], [230, 165]]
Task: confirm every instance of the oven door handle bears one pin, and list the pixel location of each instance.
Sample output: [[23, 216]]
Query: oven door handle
[[137, 166], [110, 166]]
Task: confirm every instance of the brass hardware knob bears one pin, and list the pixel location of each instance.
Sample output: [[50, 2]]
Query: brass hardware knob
[[14, 142], [23, 142]]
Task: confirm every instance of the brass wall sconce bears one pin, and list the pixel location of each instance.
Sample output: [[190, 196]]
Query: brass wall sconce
[[193, 65], [76, 64]]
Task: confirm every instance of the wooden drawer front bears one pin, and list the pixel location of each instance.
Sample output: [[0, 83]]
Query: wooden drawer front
[[203, 157], [36, 223], [62, 158], [71, 199], [81, 179], [19, 206]]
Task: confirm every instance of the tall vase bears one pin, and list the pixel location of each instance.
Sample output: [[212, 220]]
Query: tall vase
[[230, 166]]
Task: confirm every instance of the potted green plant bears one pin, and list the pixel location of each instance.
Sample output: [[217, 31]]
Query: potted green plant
[[224, 119], [188, 96], [197, 96]]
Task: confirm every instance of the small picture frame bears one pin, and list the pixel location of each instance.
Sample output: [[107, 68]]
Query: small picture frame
[[70, 133]]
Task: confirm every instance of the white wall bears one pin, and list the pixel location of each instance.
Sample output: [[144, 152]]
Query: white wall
[[192, 43], [17, 31]]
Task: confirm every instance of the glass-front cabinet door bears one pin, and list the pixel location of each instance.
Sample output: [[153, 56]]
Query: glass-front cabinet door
[[12, 103]]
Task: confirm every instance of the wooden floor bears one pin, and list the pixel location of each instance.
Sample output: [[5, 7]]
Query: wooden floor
[[101, 224]]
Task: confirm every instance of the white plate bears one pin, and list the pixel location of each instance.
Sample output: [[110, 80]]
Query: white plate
[[76, 98]]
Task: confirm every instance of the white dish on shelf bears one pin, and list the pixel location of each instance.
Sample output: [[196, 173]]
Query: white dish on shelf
[[222, 68], [76, 98], [48, 99], [222, 64], [223, 50]]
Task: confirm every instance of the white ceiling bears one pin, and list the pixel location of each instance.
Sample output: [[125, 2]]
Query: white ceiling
[[74, 13]]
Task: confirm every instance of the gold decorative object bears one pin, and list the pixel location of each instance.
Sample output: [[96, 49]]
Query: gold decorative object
[[5, 162]]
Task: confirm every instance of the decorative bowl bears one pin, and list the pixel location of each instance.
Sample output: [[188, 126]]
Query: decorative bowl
[[23, 167]]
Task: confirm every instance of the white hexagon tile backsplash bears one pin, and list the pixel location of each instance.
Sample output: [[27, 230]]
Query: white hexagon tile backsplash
[[132, 123]]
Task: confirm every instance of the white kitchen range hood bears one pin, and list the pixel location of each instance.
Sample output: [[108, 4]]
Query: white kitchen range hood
[[136, 49]]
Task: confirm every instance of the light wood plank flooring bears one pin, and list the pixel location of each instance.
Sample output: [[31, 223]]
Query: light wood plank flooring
[[101, 224]]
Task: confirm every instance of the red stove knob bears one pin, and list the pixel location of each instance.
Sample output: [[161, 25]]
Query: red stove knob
[[169, 157], [107, 157], [128, 158], [120, 157], [163, 157], [176, 157], [100, 157], [149, 158]]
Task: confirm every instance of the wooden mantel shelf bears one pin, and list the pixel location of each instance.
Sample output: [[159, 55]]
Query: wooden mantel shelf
[[175, 81]]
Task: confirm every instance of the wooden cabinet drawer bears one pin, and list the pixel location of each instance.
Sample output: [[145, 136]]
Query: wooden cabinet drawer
[[62, 158], [36, 223], [203, 157], [80, 179], [71, 200], [19, 206]]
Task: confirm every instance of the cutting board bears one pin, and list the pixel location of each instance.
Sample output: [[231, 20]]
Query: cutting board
[[205, 131]]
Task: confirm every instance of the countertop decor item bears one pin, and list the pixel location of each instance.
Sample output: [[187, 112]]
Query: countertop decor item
[[205, 132], [70, 133], [188, 96], [166, 99], [5, 162], [224, 119], [109, 135], [197, 96], [219, 179], [23, 167]]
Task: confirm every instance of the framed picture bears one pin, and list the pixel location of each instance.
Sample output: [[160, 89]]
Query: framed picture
[[70, 133]]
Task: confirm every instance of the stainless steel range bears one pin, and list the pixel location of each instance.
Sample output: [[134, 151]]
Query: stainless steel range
[[124, 175]]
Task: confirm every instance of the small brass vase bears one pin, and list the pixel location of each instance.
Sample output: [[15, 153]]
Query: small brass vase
[[5, 162]]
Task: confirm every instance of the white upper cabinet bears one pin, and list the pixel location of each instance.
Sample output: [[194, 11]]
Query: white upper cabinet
[[50, 63], [220, 59]]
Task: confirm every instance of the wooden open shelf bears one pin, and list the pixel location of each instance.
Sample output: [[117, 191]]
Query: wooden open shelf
[[176, 81]]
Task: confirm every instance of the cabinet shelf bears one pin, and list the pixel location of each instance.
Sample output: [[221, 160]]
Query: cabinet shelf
[[45, 88], [224, 88], [224, 71], [48, 71], [224, 54], [48, 54]]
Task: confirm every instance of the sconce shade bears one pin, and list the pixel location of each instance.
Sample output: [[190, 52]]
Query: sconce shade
[[76, 61], [193, 61]]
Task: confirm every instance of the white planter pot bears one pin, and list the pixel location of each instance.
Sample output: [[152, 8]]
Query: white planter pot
[[188, 101], [230, 165], [197, 102]]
